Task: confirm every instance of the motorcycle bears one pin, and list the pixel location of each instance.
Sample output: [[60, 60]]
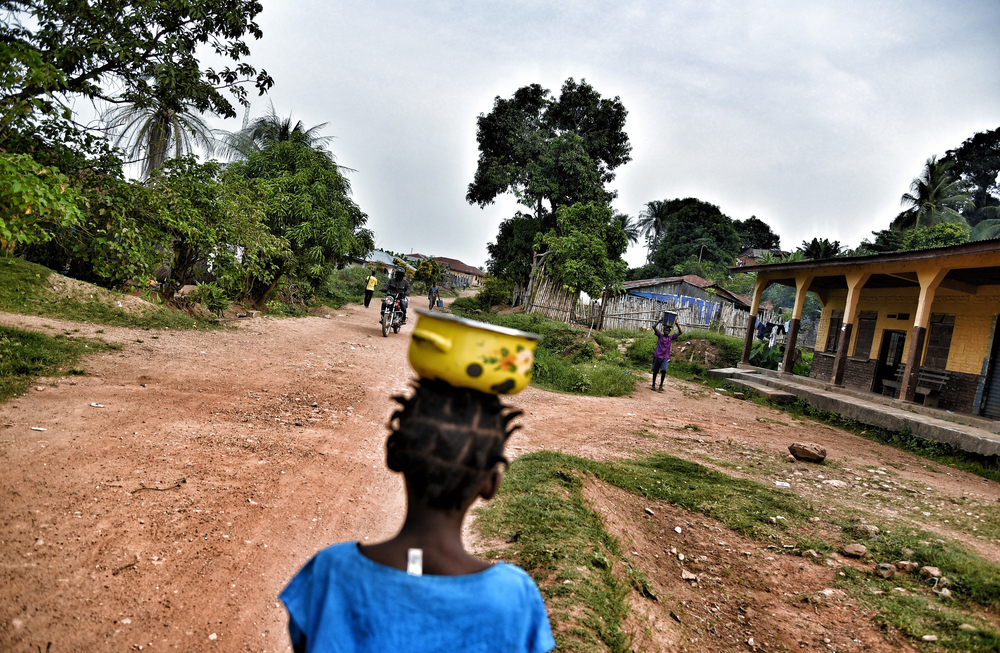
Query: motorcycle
[[392, 313]]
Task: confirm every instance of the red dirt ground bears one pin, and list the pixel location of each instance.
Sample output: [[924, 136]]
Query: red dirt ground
[[171, 517]]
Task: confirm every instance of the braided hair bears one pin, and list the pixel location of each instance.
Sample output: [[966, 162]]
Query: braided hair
[[447, 441]]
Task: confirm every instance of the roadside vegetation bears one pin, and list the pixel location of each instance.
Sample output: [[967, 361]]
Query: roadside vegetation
[[548, 528], [25, 288], [27, 355]]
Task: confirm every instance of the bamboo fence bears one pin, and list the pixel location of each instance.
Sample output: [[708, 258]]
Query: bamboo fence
[[554, 301], [632, 312]]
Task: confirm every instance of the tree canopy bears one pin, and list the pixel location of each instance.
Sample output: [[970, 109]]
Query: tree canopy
[[756, 234], [696, 230], [113, 50], [586, 248], [976, 166], [817, 249], [309, 205], [557, 150]]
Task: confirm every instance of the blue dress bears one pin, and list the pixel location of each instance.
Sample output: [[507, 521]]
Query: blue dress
[[342, 601]]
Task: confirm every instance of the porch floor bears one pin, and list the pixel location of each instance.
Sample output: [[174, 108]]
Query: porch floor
[[966, 432]]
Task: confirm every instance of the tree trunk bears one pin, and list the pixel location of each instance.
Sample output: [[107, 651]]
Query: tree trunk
[[261, 303]]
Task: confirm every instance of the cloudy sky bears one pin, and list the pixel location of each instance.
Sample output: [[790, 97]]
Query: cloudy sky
[[813, 116]]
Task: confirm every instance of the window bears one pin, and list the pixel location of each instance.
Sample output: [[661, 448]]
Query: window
[[866, 334], [833, 333], [939, 340]]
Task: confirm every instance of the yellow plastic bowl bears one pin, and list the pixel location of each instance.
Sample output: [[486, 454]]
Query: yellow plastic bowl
[[471, 354]]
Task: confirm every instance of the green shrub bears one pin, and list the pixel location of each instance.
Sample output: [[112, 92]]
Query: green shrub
[[495, 292], [211, 296], [640, 351]]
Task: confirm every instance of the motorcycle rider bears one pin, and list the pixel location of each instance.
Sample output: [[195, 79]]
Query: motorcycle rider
[[400, 287]]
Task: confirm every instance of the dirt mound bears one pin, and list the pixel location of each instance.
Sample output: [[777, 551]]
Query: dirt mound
[[720, 591], [701, 352], [86, 292]]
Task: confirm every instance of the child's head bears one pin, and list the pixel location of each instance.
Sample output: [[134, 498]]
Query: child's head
[[447, 441]]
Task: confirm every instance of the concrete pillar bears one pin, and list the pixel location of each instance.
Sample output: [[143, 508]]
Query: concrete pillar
[[758, 290], [930, 279], [855, 282], [802, 284]]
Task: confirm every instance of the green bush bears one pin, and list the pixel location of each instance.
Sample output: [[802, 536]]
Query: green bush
[[495, 292], [640, 351], [211, 296]]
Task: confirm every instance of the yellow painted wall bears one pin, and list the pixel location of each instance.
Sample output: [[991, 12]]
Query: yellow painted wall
[[973, 318]]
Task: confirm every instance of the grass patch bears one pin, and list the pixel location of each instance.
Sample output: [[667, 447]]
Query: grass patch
[[24, 289], [558, 537], [26, 355], [555, 536]]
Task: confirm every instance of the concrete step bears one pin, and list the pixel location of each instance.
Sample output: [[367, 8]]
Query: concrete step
[[774, 394]]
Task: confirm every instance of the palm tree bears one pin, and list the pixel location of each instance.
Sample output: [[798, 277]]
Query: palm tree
[[150, 133], [817, 249], [271, 128], [652, 224], [629, 226], [934, 197], [988, 228]]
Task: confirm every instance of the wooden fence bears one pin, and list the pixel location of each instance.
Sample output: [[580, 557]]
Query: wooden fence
[[632, 312], [554, 301]]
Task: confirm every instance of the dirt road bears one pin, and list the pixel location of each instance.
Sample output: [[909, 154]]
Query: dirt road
[[170, 515]]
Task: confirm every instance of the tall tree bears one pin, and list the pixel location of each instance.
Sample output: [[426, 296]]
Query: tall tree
[[976, 169], [309, 205], [934, 197], [756, 234], [542, 149], [151, 132]]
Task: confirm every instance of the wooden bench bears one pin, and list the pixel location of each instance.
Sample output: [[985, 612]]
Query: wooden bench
[[893, 386], [929, 384]]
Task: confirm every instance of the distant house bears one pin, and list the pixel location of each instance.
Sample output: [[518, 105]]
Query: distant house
[[750, 255], [415, 258], [460, 273], [741, 302], [690, 285]]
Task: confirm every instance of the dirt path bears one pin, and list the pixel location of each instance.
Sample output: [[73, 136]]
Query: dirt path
[[172, 516]]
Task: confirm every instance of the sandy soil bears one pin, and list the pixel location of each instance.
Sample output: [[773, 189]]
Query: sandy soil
[[171, 516]]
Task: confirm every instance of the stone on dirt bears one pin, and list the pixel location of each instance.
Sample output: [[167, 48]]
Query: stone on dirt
[[866, 530], [929, 638], [855, 550], [807, 451], [790, 458], [930, 572], [649, 511], [906, 566], [810, 553], [687, 575], [885, 571]]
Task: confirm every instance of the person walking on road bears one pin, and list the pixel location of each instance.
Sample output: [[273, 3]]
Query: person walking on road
[[433, 296], [370, 284], [661, 357]]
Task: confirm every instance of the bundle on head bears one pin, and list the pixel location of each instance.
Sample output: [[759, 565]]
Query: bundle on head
[[447, 441]]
